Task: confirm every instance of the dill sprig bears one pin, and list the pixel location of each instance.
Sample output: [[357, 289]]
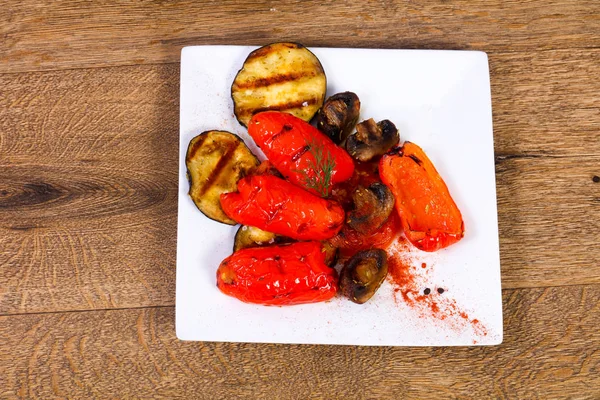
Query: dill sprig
[[321, 164]]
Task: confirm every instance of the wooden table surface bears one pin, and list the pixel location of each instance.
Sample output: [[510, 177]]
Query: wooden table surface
[[88, 187]]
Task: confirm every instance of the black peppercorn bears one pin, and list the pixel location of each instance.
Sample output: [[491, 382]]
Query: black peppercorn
[[440, 290], [427, 291]]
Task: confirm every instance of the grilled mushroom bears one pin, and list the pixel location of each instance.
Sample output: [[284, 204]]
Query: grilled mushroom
[[363, 274], [372, 207], [372, 139], [338, 116]]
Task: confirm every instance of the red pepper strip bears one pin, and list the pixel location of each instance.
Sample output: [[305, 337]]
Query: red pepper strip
[[278, 275], [274, 205], [430, 218], [303, 155]]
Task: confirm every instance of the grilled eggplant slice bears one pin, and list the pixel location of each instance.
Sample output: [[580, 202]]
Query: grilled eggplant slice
[[250, 236], [279, 77], [215, 161]]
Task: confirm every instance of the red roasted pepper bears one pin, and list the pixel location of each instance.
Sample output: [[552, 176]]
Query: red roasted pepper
[[304, 155], [349, 242], [275, 205], [430, 218], [278, 275]]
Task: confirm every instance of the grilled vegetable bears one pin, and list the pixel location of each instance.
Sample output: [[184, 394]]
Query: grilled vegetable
[[215, 161], [281, 76], [363, 274], [372, 207], [338, 116], [277, 206], [349, 242], [250, 236], [372, 139], [304, 155], [331, 253], [278, 275], [267, 168], [430, 218]]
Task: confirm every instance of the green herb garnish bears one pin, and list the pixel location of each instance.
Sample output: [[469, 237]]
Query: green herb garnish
[[321, 165]]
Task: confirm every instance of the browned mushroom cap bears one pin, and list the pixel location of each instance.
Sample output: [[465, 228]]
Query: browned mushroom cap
[[363, 274], [372, 207], [372, 139], [338, 116]]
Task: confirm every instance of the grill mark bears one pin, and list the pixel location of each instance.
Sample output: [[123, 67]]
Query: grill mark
[[221, 164], [263, 51], [415, 159], [274, 79], [279, 107], [196, 146], [284, 129], [300, 152]]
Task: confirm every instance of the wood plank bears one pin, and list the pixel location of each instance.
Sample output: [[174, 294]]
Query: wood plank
[[45, 35], [88, 189], [544, 103], [551, 350], [549, 221]]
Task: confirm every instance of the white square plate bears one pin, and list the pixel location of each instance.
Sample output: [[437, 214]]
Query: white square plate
[[438, 99]]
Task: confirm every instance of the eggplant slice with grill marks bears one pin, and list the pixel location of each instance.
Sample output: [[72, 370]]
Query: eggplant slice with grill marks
[[283, 77], [216, 161], [250, 236]]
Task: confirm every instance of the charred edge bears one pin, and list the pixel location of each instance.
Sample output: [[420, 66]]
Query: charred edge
[[274, 79], [270, 48], [396, 151], [223, 161], [415, 159], [195, 145], [281, 107], [284, 129], [300, 153]]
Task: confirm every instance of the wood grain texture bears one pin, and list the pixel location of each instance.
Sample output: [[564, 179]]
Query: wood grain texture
[[546, 103], [549, 221], [48, 35], [88, 180], [551, 350], [88, 187]]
